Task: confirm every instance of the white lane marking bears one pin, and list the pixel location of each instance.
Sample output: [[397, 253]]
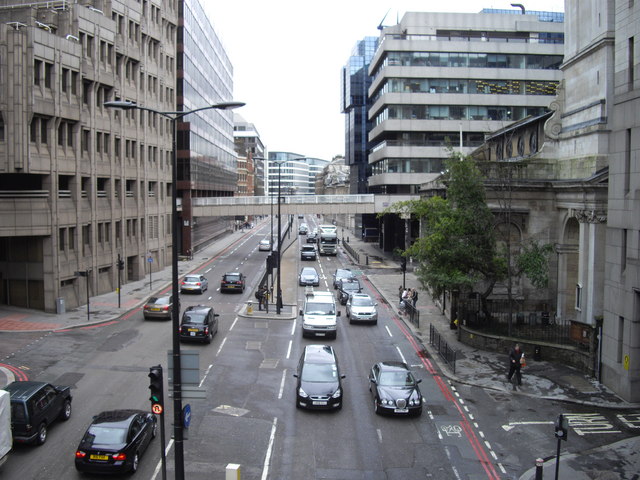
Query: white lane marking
[[293, 327], [284, 372], [221, 345], [267, 458], [159, 464], [289, 348], [512, 425], [208, 270], [400, 353], [205, 375], [502, 469], [379, 432], [233, 324], [388, 331]]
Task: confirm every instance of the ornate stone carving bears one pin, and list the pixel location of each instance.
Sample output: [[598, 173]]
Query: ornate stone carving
[[553, 126], [590, 216]]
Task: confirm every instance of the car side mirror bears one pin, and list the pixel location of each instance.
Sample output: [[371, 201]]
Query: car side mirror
[[295, 375], [419, 380], [343, 376], [338, 314], [301, 313], [216, 314], [373, 380]]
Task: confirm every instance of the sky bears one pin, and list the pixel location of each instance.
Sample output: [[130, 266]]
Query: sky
[[287, 57]]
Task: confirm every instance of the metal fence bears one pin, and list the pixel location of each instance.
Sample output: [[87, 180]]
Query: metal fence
[[412, 313], [447, 353]]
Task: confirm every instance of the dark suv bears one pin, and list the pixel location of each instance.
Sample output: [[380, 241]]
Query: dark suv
[[346, 288], [34, 406], [319, 383], [199, 323], [233, 282]]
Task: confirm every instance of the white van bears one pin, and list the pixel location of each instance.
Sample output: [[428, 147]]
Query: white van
[[319, 315]]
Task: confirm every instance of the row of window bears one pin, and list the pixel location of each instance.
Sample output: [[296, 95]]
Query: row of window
[[472, 60], [456, 112], [103, 186], [407, 165], [149, 228], [475, 86]]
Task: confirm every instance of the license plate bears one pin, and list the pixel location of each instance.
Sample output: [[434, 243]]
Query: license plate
[[193, 329], [401, 410], [99, 457], [320, 334], [155, 309], [193, 334], [319, 402]]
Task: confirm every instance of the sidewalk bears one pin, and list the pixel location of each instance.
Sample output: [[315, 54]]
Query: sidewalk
[[474, 367]]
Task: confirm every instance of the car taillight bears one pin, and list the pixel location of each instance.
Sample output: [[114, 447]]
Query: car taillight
[[120, 456], [80, 454], [206, 330], [165, 308], [197, 283]]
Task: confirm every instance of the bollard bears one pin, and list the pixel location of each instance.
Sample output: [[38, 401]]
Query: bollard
[[249, 308], [539, 465], [232, 472]]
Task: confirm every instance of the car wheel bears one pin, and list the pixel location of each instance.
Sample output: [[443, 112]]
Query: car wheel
[[208, 340], [42, 434], [134, 464], [65, 413], [154, 430], [376, 407]]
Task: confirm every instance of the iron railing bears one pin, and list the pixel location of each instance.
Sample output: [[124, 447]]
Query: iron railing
[[447, 353]]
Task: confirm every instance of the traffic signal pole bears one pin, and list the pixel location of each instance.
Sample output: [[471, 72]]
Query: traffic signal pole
[[156, 385]]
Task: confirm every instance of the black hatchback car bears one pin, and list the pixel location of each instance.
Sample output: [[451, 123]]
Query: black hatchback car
[[341, 273], [115, 441], [232, 282], [319, 381], [34, 407], [394, 389], [199, 323], [346, 288]]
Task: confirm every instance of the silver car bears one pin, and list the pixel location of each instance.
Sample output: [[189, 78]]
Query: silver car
[[264, 245], [361, 308], [309, 276], [194, 283]]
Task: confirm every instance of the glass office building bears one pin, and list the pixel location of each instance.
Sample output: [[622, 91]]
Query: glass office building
[[207, 162]]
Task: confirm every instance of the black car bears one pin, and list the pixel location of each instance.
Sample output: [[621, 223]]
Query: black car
[[199, 323], [394, 389], [232, 282], [319, 383], [341, 273], [158, 307], [115, 441], [346, 288], [34, 407]]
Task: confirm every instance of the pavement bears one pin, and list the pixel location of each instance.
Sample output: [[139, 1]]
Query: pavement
[[472, 367]]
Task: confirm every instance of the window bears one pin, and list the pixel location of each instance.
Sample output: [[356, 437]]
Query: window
[[623, 250], [62, 235], [74, 82], [64, 80], [630, 65], [620, 339], [578, 295], [48, 75], [72, 238], [37, 71], [627, 161]]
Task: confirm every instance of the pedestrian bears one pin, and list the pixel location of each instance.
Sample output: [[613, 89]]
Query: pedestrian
[[515, 358], [260, 297], [400, 292], [414, 297]]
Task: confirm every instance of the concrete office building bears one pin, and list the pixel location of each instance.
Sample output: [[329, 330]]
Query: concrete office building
[[82, 185], [445, 80], [250, 151], [295, 173]]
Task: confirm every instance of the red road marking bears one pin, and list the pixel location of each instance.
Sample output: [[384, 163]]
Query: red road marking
[[18, 373]]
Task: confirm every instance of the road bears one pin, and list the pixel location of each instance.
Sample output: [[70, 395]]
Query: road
[[249, 417]]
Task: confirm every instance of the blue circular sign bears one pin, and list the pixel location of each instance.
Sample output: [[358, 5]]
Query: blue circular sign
[[186, 415]]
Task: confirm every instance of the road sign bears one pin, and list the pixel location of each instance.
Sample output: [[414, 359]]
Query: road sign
[[186, 415]]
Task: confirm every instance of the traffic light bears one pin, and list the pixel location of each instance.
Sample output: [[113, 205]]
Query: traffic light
[[562, 427], [403, 264], [156, 387], [120, 264]]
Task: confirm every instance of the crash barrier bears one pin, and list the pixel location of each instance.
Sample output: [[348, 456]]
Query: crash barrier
[[447, 353], [359, 258]]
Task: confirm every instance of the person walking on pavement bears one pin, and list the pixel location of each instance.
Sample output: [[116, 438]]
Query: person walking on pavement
[[515, 357], [260, 296], [400, 292], [414, 297]]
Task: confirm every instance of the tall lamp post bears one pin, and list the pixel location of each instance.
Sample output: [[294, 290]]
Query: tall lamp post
[[177, 376]]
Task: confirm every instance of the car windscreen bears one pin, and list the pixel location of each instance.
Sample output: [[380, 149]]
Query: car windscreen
[[361, 302], [192, 279], [308, 249], [396, 379], [194, 318], [101, 435], [319, 372], [232, 277], [350, 286], [160, 301], [309, 271], [320, 309]]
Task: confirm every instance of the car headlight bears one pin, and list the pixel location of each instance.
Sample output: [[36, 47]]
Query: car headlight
[[415, 400], [302, 393], [337, 393], [387, 402]]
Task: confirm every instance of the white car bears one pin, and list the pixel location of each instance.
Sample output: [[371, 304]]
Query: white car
[[264, 245]]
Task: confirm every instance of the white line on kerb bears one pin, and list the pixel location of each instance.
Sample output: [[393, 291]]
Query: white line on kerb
[[267, 458]]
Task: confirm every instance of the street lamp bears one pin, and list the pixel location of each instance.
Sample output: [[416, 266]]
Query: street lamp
[[177, 376]]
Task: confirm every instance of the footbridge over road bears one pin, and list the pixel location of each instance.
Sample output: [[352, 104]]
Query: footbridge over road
[[295, 204]]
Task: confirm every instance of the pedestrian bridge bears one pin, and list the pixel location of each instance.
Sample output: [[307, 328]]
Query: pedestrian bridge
[[295, 204]]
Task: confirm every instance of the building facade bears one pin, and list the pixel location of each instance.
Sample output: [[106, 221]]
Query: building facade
[[621, 323], [82, 186], [292, 173], [207, 162], [445, 80], [250, 151]]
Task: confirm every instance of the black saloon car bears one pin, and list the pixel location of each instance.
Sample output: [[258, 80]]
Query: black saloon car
[[199, 323], [319, 383], [232, 282], [341, 273], [394, 389], [115, 441], [34, 407], [346, 288]]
